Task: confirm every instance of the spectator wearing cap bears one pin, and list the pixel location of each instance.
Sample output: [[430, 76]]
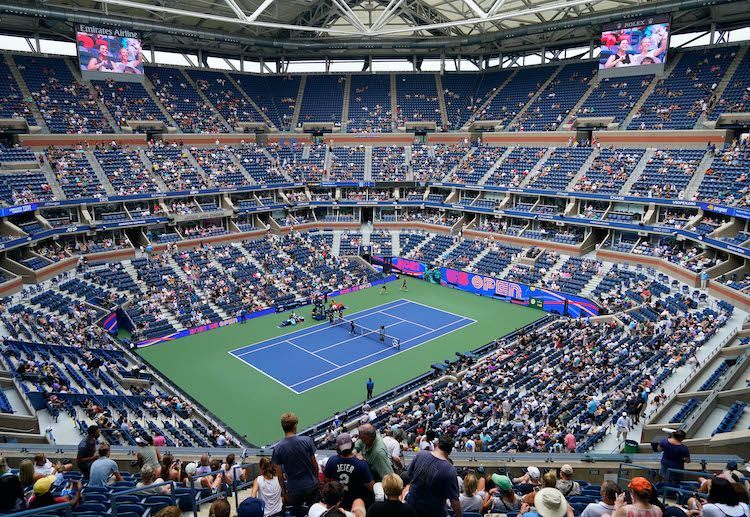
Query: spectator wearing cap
[[624, 425], [433, 480], [331, 504], [393, 486], [565, 484], [548, 502], [674, 456], [104, 469], [43, 494], [267, 488], [502, 498], [352, 472], [641, 491], [532, 477], [606, 506], [549, 480], [373, 450], [295, 457], [87, 450]]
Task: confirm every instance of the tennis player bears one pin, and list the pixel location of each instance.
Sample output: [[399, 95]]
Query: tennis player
[[382, 332], [403, 285], [396, 343], [384, 289], [351, 327]]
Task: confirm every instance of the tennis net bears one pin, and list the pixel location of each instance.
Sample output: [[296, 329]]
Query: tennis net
[[375, 335]]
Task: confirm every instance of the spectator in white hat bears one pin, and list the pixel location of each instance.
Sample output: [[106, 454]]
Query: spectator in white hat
[[565, 484]]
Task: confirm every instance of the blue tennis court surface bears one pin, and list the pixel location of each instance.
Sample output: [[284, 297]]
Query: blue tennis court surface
[[307, 358]]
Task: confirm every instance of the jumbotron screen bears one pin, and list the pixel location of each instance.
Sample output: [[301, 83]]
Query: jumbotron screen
[[109, 50], [635, 43]]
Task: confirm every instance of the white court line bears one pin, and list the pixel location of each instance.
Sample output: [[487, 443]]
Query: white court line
[[460, 317], [264, 373], [381, 351], [402, 320], [313, 354], [302, 332], [355, 337]]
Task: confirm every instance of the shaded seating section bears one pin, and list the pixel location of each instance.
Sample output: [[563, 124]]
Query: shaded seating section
[[126, 171], [370, 104], [323, 99], [389, 163], [668, 172], [128, 101], [551, 107], [506, 104], [66, 105], [715, 377], [496, 260], [516, 166], [466, 92], [433, 249], [462, 255], [685, 411], [417, 99], [433, 163], [615, 97], [13, 105], [225, 97], [275, 96], [75, 173], [560, 168], [409, 241], [609, 171], [678, 100], [172, 163], [735, 97], [347, 163], [188, 109]]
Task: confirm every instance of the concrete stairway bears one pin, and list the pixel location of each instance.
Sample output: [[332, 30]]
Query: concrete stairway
[[336, 244], [94, 95], [596, 279], [692, 187], [368, 163], [150, 168], [236, 161], [633, 178], [534, 97], [476, 260], [538, 167], [26, 93], [205, 99], [557, 266], [489, 99], [395, 244], [150, 89], [198, 168], [584, 169], [455, 167], [49, 175], [725, 80], [251, 101], [345, 102], [649, 90], [394, 101], [497, 164], [100, 174], [298, 102], [568, 120], [441, 100]]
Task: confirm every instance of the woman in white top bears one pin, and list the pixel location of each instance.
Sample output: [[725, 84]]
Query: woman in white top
[[267, 488], [470, 500], [724, 500]]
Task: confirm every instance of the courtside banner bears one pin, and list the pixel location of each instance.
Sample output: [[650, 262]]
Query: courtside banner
[[521, 294]]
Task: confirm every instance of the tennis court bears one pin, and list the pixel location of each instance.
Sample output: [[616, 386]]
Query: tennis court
[[308, 358]]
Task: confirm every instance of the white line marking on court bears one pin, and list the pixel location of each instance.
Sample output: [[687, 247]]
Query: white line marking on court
[[313, 354], [381, 351], [264, 373], [357, 337], [303, 333], [402, 320], [460, 317]]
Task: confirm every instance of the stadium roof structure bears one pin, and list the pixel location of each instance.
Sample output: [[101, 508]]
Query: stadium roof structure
[[276, 29]]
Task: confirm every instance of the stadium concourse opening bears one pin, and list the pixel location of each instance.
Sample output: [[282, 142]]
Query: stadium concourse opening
[[316, 368]]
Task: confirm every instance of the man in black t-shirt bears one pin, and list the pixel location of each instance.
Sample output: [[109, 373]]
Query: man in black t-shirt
[[87, 452], [352, 472], [433, 480], [295, 457]]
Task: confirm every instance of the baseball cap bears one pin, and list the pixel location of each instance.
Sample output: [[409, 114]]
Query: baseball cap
[[344, 442], [566, 469], [502, 482], [549, 502], [640, 484], [191, 468], [534, 472], [43, 485], [140, 441], [251, 507]]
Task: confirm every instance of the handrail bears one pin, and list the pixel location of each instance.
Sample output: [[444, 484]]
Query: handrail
[[172, 485], [195, 492], [46, 510]]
